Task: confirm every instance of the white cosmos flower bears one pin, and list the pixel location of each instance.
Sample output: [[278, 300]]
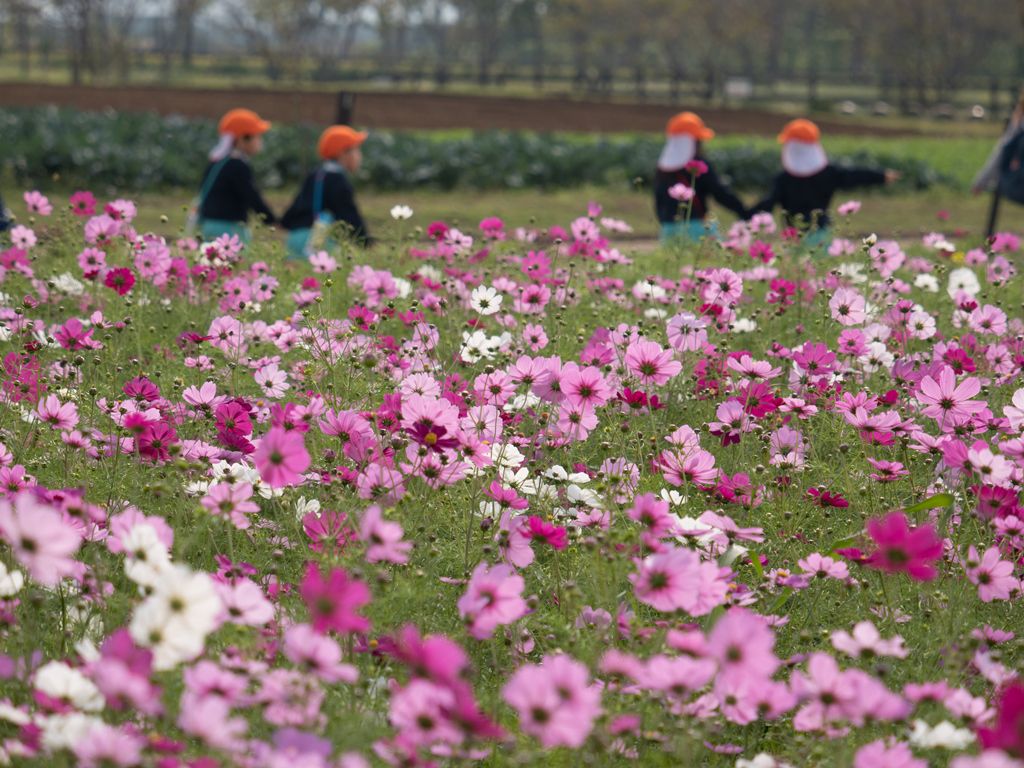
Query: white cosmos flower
[[945, 735], [518, 479], [403, 286], [586, 496], [63, 683], [64, 731], [176, 618], [11, 581], [474, 346], [963, 280], [672, 496], [852, 271], [401, 212], [485, 300], [66, 283], [876, 357], [146, 556], [506, 455], [927, 282], [304, 506], [189, 597], [430, 273], [743, 325], [762, 760], [522, 402]]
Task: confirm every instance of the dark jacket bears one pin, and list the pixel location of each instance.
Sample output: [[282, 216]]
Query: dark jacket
[[5, 223], [807, 198], [233, 194], [706, 185], [339, 200]]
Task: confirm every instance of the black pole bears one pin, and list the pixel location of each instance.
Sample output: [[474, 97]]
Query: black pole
[[345, 107]]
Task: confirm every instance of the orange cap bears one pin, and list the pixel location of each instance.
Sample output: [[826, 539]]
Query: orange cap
[[800, 130], [689, 124], [337, 139], [243, 122]]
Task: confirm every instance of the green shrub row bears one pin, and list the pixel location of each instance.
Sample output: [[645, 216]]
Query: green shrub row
[[129, 153]]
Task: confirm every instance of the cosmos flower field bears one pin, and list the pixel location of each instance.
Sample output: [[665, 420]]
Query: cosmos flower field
[[508, 497]]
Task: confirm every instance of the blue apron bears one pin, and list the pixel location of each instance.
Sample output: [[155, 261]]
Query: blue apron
[[298, 239], [687, 230], [818, 239]]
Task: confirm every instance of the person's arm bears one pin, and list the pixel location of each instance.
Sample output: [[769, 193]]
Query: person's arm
[[768, 203], [851, 178], [723, 194], [340, 200], [251, 195]]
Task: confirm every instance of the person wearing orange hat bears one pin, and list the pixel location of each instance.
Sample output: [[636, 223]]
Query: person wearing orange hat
[[805, 187], [327, 196], [684, 181], [228, 192]]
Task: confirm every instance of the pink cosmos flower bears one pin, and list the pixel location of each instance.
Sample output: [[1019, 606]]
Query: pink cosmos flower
[[420, 711], [333, 602], [902, 549], [108, 745], [281, 457], [585, 387], [848, 307], [946, 401], [243, 602], [993, 575], [681, 192], [822, 567], [887, 471], [826, 691], [555, 700], [383, 538], [493, 597], [37, 203], [318, 654], [677, 579], [878, 755], [652, 365], [743, 643], [866, 642], [42, 541], [58, 415], [83, 203], [233, 501]]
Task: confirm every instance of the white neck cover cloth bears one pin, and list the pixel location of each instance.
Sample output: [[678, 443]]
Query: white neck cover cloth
[[223, 148], [677, 152], [802, 158]]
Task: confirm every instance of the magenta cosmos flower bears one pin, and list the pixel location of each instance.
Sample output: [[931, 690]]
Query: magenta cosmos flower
[[42, 542], [902, 549], [281, 457], [333, 602]]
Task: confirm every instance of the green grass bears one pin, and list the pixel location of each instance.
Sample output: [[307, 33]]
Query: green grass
[[909, 215], [450, 539]]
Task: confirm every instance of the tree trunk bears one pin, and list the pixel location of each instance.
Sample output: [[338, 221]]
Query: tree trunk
[[813, 58], [23, 29]]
